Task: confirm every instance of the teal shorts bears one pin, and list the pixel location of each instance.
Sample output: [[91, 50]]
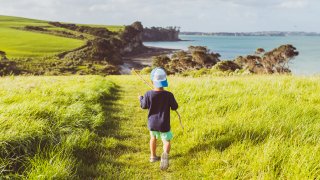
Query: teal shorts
[[164, 135]]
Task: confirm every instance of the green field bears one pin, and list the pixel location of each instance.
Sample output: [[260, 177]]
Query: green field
[[19, 43], [250, 127]]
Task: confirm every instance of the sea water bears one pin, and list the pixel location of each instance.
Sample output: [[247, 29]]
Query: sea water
[[229, 47]]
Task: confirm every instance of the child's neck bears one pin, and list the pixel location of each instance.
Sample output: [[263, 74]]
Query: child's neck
[[158, 89]]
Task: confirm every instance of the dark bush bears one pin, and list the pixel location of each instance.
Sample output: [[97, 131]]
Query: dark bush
[[3, 55], [95, 31], [8, 67], [110, 69], [34, 28], [161, 61], [227, 66]]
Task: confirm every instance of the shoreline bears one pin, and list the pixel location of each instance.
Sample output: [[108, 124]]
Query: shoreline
[[141, 60]]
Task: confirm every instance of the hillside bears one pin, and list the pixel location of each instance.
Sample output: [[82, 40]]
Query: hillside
[[250, 127], [36, 47], [21, 43]]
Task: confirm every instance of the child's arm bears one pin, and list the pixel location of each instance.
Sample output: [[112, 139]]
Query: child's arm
[[173, 103], [144, 104]]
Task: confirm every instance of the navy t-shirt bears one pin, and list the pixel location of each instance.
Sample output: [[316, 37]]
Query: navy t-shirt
[[159, 104]]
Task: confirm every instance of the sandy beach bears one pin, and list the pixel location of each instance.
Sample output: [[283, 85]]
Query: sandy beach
[[144, 59]]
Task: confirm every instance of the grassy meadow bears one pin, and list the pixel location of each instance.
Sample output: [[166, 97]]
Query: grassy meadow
[[19, 43], [240, 127]]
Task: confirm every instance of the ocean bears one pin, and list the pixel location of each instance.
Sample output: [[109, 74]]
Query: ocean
[[229, 47]]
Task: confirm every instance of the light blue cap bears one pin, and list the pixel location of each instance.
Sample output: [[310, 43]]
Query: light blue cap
[[159, 77]]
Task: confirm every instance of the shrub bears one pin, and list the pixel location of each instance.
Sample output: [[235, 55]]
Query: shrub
[[161, 61], [34, 28], [8, 67], [227, 66]]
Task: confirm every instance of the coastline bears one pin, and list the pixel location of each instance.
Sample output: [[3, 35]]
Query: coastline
[[141, 60]]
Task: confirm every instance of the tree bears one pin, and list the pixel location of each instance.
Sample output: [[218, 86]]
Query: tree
[[278, 59], [203, 57], [249, 62], [161, 34], [275, 61]]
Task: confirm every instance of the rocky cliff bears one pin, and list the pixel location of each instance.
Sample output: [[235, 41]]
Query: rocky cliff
[[161, 34], [132, 39]]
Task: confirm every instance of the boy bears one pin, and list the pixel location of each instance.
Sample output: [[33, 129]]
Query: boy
[[159, 102]]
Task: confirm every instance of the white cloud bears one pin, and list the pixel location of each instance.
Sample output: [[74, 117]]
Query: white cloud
[[294, 4], [191, 15], [270, 3]]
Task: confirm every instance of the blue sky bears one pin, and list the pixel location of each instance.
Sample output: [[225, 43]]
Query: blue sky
[[190, 15]]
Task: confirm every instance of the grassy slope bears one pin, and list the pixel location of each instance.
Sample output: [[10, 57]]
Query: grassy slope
[[18, 43], [236, 127]]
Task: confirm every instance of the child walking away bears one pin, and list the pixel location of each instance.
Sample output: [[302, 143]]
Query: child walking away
[[159, 102]]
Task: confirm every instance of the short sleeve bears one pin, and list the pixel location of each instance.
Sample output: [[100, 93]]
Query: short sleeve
[[144, 101], [173, 102]]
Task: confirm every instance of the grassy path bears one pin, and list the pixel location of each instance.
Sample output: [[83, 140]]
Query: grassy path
[[130, 154]]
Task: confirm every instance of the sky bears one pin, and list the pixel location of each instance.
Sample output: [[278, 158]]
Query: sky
[[190, 15]]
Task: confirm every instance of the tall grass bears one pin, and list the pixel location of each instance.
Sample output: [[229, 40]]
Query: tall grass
[[248, 127], [46, 121]]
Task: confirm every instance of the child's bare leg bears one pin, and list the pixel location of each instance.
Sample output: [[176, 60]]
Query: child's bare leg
[[166, 146], [153, 146]]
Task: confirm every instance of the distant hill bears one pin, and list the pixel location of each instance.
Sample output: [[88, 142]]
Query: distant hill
[[264, 33]]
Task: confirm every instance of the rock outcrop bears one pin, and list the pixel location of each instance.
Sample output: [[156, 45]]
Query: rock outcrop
[[132, 39], [161, 34]]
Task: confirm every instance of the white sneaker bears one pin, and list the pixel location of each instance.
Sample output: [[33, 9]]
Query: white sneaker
[[164, 164]]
